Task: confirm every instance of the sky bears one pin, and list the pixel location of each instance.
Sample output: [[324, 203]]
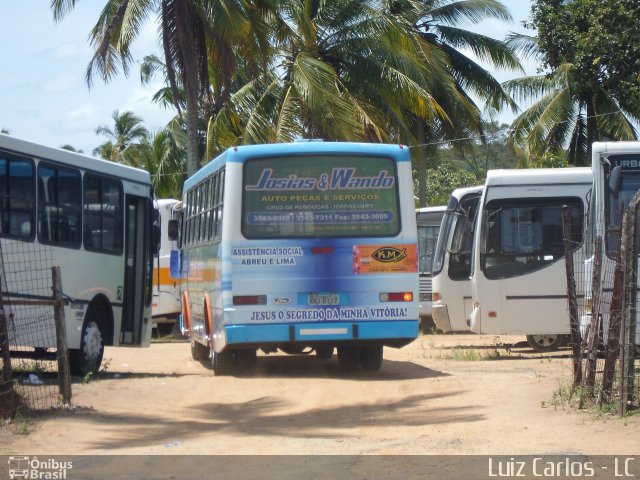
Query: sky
[[44, 97]]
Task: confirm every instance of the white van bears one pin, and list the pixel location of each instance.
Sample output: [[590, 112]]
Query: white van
[[518, 275]]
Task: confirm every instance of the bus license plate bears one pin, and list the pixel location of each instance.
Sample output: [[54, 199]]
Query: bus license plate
[[324, 299]]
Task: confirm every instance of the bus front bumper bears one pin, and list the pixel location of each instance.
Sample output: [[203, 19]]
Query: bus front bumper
[[393, 333], [440, 315]]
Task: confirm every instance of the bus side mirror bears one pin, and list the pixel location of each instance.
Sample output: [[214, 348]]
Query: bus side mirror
[[155, 231], [172, 230], [614, 180], [156, 237]]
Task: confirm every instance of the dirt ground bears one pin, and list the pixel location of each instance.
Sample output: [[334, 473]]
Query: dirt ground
[[443, 394]]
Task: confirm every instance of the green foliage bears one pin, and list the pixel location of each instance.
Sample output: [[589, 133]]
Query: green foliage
[[571, 106], [444, 179], [549, 160], [600, 38]]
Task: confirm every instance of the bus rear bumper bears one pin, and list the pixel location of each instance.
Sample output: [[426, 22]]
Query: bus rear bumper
[[393, 333]]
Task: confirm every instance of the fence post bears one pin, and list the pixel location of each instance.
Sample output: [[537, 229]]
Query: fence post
[[612, 348], [593, 338], [571, 295], [627, 330], [64, 374], [8, 398]]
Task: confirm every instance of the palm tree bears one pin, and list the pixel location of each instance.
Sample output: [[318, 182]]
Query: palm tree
[[193, 33], [161, 154], [126, 132], [340, 70], [566, 113], [447, 27]]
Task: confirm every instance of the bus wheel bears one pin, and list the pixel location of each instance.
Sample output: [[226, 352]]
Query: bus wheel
[[222, 362], [348, 358], [371, 358], [88, 358], [199, 351], [324, 352], [245, 362], [546, 343]]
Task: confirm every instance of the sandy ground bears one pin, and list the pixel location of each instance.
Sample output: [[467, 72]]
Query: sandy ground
[[439, 395]]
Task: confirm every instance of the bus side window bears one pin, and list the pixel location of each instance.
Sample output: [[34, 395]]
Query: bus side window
[[59, 205], [17, 195], [103, 214]]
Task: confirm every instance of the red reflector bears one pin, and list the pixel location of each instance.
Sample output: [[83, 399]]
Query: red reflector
[[250, 300], [493, 314], [396, 297], [321, 250]]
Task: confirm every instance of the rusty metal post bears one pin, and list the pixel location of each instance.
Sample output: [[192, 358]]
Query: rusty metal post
[[64, 373]]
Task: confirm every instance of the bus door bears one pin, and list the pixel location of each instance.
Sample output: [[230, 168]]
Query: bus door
[[138, 269]]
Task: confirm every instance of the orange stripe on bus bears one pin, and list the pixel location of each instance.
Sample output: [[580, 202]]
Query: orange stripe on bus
[[165, 277]]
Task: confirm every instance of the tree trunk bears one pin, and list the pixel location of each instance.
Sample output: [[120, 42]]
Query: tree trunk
[[421, 164]]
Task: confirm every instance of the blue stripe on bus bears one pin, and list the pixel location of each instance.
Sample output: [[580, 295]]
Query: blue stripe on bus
[[313, 332]]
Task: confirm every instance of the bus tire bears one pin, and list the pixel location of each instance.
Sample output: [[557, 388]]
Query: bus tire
[[546, 342], [371, 357], [222, 362], [245, 362], [348, 358], [199, 351], [324, 352], [88, 357]]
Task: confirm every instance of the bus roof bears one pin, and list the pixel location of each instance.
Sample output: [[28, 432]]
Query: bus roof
[[614, 147], [166, 201], [542, 176], [458, 193], [85, 162], [241, 154], [440, 208]]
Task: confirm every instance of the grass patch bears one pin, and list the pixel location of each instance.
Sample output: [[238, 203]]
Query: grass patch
[[467, 355]]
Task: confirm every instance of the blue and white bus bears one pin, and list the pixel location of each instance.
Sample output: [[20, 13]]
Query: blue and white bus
[[297, 246]]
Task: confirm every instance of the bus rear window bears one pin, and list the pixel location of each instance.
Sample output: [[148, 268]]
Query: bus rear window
[[320, 196]]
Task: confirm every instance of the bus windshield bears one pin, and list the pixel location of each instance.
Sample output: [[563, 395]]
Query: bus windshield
[[620, 198], [524, 235], [427, 237], [320, 196], [460, 216]]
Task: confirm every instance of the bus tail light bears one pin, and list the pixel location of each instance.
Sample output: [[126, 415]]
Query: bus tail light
[[321, 250], [435, 297], [250, 300], [396, 297]]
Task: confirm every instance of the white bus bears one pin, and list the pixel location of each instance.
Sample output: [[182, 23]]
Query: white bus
[[452, 262], [165, 308], [428, 220], [95, 219], [299, 246], [616, 179], [519, 276]]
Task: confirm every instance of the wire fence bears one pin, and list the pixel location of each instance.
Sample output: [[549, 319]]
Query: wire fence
[[603, 317], [29, 340]]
